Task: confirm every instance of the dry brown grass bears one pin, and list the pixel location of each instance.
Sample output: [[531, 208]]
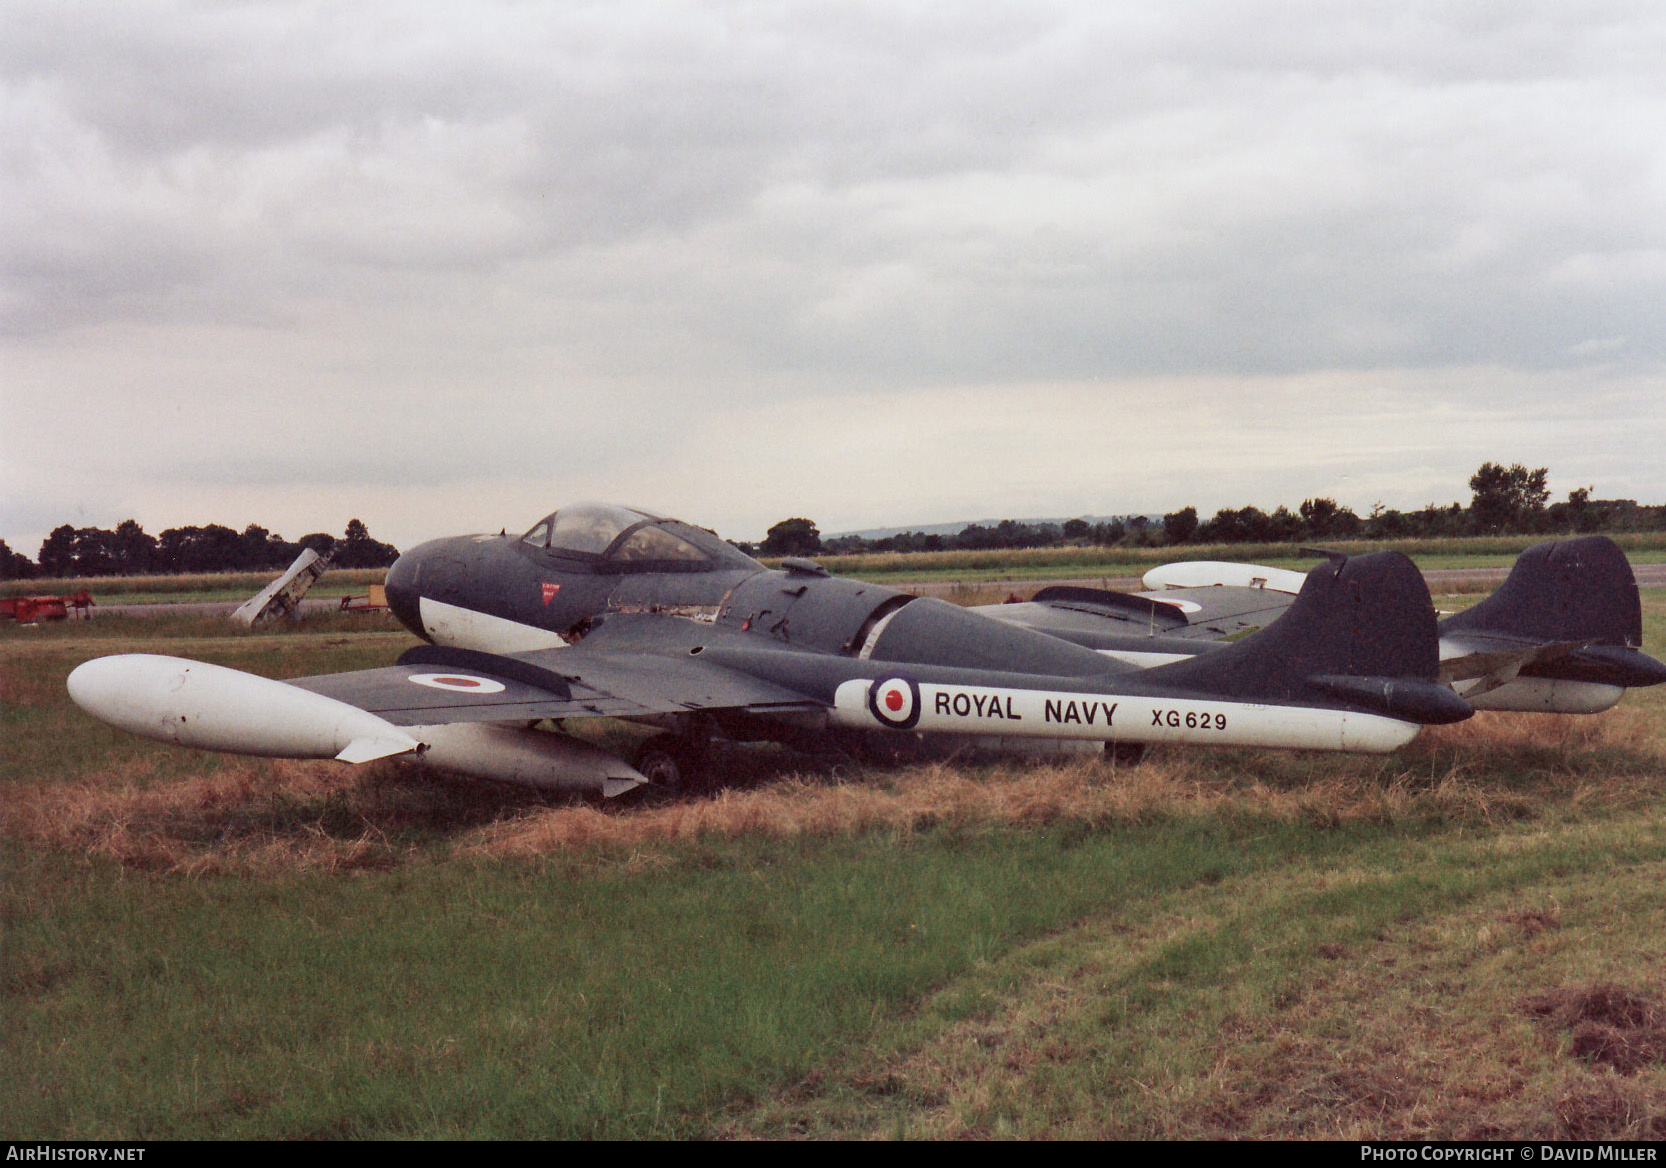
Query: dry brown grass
[[1611, 1109], [266, 818], [279, 817], [1497, 768], [1611, 1026], [908, 799]]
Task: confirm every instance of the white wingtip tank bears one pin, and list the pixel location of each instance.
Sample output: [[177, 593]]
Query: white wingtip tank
[[210, 707], [1206, 573]]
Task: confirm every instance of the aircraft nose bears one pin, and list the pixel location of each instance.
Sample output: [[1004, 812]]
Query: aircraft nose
[[404, 590]]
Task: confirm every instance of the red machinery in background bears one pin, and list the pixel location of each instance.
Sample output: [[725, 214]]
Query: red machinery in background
[[26, 610]]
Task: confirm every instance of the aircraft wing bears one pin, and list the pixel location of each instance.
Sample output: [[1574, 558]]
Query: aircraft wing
[[434, 685], [453, 709], [1098, 619], [1225, 610]]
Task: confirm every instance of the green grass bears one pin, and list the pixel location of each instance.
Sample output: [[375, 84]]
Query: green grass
[[197, 627], [516, 1002], [1022, 564], [1037, 563], [189, 586], [699, 997], [1370, 987]]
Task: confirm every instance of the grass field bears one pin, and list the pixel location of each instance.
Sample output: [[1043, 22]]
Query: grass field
[[1464, 939], [921, 567], [1037, 563], [203, 586]]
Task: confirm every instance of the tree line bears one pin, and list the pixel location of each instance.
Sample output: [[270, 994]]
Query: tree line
[[129, 550], [1505, 500]]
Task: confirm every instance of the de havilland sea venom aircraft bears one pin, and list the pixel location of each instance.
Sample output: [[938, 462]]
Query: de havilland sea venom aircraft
[[607, 611]]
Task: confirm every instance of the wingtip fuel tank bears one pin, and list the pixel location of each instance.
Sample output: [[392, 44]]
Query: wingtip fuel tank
[[211, 707]]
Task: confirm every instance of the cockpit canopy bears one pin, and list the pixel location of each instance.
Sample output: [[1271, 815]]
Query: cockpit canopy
[[623, 539]]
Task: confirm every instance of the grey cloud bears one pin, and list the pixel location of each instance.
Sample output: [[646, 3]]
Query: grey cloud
[[524, 218], [1302, 185]]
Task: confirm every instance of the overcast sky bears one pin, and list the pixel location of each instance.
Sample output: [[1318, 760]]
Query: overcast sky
[[444, 267]]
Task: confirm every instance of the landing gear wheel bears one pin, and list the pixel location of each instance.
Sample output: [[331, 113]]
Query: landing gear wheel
[[670, 763], [1125, 753], [886, 748]]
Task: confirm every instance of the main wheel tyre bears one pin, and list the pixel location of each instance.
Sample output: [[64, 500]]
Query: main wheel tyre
[[1125, 753], [666, 761]]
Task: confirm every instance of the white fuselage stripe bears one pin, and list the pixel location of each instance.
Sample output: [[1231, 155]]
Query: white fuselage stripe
[[966, 709], [463, 628]]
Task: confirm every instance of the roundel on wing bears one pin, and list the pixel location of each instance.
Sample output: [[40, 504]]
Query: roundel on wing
[[895, 701], [458, 683]]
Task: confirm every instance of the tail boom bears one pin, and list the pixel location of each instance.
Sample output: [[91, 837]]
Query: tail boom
[[1069, 713]]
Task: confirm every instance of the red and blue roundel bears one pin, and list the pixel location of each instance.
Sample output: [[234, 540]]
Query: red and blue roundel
[[895, 701], [457, 683]]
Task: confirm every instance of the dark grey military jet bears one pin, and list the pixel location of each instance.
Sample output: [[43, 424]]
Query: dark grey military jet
[[606, 611]]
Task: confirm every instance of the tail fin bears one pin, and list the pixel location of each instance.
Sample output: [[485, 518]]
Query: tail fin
[[1567, 590], [1578, 595], [1361, 633]]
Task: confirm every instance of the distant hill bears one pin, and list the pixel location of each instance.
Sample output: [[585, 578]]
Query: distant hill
[[957, 528]]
